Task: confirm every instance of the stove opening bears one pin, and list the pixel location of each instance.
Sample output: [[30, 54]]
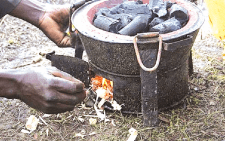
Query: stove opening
[[103, 89]]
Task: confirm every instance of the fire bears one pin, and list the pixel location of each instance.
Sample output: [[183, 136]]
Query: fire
[[103, 87], [104, 90]]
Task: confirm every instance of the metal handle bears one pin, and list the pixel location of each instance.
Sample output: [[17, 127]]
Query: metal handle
[[146, 35], [74, 7], [70, 21]]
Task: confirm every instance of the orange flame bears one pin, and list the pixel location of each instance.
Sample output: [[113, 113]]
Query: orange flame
[[99, 83]]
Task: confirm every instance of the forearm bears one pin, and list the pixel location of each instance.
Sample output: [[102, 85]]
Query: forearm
[[30, 10], [9, 83]]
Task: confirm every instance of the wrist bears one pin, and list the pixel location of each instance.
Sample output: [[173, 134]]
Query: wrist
[[10, 82]]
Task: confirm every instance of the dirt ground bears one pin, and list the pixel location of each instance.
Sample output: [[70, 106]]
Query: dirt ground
[[201, 118]]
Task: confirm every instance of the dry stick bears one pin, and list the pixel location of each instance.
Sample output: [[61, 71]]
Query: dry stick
[[3, 19], [43, 120], [30, 63]]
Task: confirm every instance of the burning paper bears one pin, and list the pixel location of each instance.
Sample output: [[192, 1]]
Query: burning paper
[[104, 90], [103, 87]]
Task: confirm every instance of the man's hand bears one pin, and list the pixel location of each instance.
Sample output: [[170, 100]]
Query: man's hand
[[54, 24], [50, 90], [53, 20]]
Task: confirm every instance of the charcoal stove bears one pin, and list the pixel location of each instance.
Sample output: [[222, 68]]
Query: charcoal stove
[[113, 56]]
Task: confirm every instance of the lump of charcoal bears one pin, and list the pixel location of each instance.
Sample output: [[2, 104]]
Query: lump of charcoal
[[158, 7], [102, 11], [125, 19], [115, 9], [139, 9], [160, 10], [169, 4], [120, 7], [130, 4], [132, 7], [179, 13], [154, 3], [137, 25], [107, 24], [169, 25], [156, 21]]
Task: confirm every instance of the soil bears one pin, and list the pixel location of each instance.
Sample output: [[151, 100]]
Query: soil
[[200, 117]]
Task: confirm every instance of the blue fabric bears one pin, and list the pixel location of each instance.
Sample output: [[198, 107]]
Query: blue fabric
[[6, 6]]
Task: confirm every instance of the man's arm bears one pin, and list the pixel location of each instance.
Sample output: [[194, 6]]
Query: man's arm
[[30, 10], [7, 6]]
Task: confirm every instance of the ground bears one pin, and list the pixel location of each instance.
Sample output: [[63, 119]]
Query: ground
[[201, 118]]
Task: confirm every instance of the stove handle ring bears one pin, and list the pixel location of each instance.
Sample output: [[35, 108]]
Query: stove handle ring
[[137, 51]]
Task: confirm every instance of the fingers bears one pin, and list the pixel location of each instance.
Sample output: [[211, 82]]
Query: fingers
[[66, 42], [54, 102], [66, 86], [50, 90], [71, 86], [60, 102], [55, 108], [58, 97]]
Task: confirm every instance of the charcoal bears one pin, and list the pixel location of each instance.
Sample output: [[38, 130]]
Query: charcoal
[[162, 10], [169, 4], [132, 17], [114, 10], [129, 4], [140, 9], [120, 11], [134, 8], [107, 24], [123, 6], [103, 11], [156, 21], [139, 2], [125, 19], [158, 7], [138, 25], [179, 13], [153, 3], [169, 25]]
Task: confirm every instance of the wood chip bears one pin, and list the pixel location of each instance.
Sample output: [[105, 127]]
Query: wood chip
[[32, 123]]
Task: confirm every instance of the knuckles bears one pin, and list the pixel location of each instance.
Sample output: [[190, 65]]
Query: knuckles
[[50, 97]]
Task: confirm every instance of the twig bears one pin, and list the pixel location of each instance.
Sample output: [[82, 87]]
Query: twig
[[23, 65], [3, 19], [90, 116], [43, 120]]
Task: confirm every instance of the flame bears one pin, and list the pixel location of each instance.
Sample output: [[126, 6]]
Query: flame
[[103, 87]]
